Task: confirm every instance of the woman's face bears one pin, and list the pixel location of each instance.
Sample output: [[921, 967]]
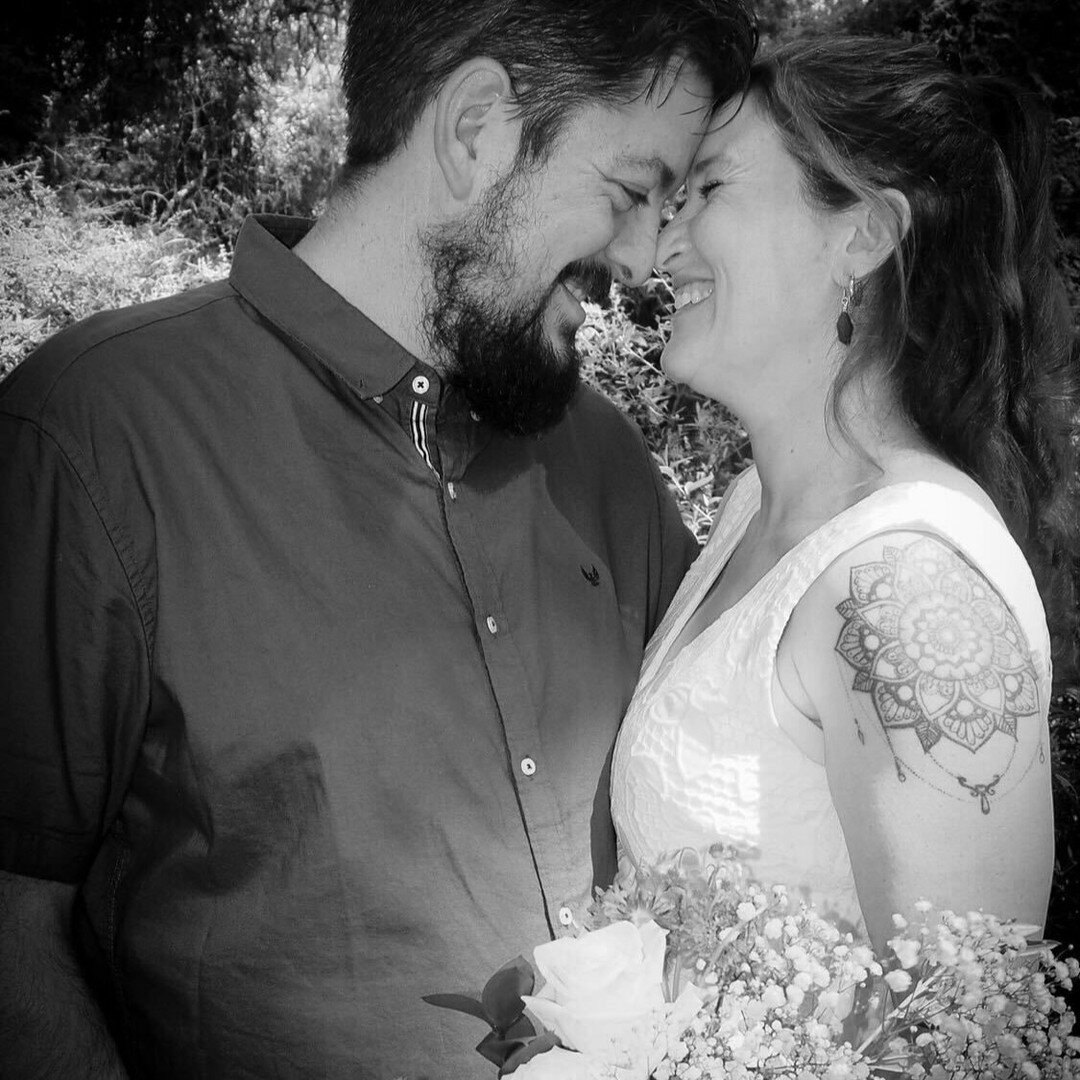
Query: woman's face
[[756, 271]]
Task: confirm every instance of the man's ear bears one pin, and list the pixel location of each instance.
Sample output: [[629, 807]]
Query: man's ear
[[874, 232], [471, 122]]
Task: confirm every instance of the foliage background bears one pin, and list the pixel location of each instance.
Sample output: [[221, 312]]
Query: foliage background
[[135, 136]]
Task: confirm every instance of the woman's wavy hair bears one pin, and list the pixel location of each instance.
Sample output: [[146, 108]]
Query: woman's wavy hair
[[969, 318]]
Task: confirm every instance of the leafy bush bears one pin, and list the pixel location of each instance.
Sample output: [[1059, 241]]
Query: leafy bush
[[195, 112], [697, 444], [298, 132], [59, 267]]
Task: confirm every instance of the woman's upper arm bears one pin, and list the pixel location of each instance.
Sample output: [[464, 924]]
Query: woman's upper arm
[[933, 707]]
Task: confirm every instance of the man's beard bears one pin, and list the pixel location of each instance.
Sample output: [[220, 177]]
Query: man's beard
[[513, 376]]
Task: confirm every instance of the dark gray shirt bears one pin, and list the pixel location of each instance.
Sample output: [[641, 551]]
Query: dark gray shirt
[[309, 678]]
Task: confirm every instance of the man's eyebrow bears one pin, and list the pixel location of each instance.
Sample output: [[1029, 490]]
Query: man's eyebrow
[[655, 165]]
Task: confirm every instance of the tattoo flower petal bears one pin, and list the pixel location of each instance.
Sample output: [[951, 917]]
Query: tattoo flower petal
[[936, 647]]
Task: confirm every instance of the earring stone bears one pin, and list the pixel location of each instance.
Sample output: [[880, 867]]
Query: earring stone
[[850, 297]]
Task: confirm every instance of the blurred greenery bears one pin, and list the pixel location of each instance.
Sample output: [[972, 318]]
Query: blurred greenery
[[137, 135], [191, 111]]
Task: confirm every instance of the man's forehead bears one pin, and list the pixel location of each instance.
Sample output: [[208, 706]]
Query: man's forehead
[[652, 141]]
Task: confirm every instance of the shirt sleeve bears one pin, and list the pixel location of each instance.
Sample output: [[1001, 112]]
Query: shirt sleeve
[[74, 673]]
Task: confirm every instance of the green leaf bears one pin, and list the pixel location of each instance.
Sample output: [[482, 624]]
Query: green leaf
[[522, 1028], [502, 995], [498, 1049], [459, 1003], [528, 1050]]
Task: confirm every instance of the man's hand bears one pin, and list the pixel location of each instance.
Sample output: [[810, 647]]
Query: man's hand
[[49, 1024]]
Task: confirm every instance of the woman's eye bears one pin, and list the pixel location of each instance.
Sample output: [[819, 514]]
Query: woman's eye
[[709, 186]]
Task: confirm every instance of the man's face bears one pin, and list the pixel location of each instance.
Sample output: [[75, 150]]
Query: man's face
[[507, 278]]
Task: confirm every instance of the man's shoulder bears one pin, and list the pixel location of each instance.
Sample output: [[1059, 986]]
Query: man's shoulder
[[78, 360]]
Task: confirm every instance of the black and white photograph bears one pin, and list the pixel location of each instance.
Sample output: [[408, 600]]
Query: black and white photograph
[[540, 539]]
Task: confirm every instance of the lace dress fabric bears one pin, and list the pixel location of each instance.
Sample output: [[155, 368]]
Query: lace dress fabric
[[701, 756]]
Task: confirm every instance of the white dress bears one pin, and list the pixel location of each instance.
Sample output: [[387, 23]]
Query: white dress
[[701, 756]]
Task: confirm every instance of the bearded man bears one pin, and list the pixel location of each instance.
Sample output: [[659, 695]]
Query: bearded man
[[325, 588]]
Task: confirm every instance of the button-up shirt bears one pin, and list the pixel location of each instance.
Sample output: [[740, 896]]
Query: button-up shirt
[[310, 678]]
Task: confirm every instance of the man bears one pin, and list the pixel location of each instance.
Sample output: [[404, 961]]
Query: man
[[325, 588]]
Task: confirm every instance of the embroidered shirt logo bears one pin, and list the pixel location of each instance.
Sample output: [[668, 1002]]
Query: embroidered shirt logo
[[591, 575]]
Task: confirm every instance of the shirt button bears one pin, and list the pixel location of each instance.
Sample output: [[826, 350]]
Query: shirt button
[[451, 490], [421, 384], [492, 625], [566, 916], [377, 399], [475, 415], [528, 766]]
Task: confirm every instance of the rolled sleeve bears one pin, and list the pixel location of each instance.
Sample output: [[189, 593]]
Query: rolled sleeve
[[74, 673]]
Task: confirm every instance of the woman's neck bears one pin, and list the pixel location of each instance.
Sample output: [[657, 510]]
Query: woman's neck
[[811, 469]]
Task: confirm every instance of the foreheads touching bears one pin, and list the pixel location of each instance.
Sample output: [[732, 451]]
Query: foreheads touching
[[559, 58]]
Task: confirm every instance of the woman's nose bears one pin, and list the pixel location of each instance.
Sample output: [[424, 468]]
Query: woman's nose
[[672, 242]]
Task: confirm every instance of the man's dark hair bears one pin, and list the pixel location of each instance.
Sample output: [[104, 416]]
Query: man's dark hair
[[560, 56]]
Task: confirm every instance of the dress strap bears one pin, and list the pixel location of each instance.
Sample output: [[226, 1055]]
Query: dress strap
[[920, 506]]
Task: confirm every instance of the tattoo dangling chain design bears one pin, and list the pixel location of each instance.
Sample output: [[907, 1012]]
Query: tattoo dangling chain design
[[940, 653]]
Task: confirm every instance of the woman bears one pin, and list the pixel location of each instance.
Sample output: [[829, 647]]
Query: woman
[[852, 685]]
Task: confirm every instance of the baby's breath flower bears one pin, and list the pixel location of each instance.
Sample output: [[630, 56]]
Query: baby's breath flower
[[906, 950], [784, 990]]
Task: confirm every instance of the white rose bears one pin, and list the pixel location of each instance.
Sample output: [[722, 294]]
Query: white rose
[[603, 996], [599, 984], [559, 1064]]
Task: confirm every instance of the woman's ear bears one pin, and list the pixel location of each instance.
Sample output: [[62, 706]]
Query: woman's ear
[[874, 232], [471, 122]]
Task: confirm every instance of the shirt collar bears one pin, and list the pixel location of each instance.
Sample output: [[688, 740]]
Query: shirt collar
[[308, 312]]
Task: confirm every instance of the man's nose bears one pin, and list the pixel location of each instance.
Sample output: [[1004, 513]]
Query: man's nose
[[632, 252]]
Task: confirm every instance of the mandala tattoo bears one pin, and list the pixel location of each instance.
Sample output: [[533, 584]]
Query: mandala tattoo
[[939, 652]]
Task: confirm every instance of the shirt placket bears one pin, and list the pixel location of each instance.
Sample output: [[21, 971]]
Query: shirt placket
[[531, 774], [414, 406], [422, 420]]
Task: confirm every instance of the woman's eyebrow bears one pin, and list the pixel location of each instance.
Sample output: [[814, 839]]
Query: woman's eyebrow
[[703, 165], [657, 166]]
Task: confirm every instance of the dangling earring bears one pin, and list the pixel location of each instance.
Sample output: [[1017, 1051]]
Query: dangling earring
[[850, 297]]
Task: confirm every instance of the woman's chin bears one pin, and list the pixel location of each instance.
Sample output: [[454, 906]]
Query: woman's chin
[[678, 365]]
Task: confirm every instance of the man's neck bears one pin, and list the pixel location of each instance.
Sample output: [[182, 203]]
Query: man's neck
[[365, 248]]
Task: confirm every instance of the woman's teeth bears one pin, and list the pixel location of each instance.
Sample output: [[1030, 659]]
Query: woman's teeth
[[692, 294], [575, 290]]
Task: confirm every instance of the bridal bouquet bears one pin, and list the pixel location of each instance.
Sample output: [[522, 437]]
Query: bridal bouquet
[[691, 970]]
